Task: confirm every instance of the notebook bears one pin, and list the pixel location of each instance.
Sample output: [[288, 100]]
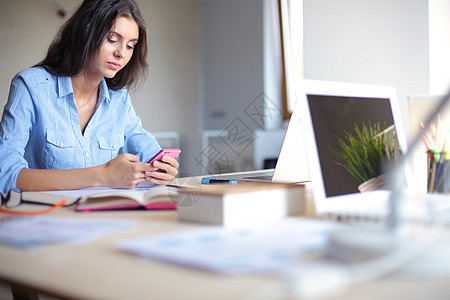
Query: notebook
[[326, 110]]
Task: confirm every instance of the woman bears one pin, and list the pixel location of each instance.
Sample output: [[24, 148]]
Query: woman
[[69, 122]]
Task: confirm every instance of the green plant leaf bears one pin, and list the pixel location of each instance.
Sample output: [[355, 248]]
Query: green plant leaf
[[364, 152]]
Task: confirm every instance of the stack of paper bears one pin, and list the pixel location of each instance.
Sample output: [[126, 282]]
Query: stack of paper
[[265, 248], [242, 204], [27, 232]]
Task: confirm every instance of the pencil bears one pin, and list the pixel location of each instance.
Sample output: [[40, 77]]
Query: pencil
[[434, 162]]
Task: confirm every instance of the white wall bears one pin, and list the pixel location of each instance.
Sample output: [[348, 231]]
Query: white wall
[[439, 16], [232, 64], [169, 99], [27, 27], [378, 42]]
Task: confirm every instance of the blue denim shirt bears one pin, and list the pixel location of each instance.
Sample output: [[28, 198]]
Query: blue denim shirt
[[40, 127]]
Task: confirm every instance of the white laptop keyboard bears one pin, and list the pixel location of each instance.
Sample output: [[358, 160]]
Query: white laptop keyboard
[[373, 207]]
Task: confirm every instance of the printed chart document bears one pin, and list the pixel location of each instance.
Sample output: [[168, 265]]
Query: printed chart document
[[265, 248]]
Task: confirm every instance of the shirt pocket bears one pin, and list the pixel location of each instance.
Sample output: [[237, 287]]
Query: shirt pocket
[[59, 150], [109, 146]]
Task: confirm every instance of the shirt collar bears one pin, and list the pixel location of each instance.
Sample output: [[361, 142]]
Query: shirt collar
[[104, 91], [65, 87]]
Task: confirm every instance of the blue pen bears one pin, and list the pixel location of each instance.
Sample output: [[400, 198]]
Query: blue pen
[[211, 180]]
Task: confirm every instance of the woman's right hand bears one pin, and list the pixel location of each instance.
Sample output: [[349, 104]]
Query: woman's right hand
[[125, 171]]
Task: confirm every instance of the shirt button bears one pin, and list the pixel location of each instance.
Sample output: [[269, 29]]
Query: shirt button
[[87, 155], [61, 144], [114, 146], [7, 138]]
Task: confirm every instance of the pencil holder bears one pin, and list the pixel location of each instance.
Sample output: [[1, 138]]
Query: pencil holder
[[438, 179]]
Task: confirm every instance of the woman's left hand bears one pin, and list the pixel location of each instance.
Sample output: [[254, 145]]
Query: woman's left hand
[[163, 171]]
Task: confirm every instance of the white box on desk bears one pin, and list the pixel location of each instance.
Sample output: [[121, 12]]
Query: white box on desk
[[242, 204]]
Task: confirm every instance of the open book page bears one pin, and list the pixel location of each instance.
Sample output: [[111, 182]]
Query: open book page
[[53, 197], [157, 197]]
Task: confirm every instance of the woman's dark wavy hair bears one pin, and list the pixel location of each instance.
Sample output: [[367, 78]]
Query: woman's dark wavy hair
[[80, 38]]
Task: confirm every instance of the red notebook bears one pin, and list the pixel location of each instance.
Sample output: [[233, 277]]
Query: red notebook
[[156, 198]]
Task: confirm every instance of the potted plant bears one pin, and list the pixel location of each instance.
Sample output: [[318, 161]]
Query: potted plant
[[365, 153]]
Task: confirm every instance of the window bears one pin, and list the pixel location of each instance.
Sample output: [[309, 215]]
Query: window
[[291, 23]]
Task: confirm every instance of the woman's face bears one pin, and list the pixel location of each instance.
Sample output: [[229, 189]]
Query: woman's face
[[117, 48]]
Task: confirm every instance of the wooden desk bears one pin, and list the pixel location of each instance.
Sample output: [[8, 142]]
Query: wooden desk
[[96, 270]]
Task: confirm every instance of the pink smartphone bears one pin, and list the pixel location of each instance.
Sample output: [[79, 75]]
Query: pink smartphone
[[169, 152]]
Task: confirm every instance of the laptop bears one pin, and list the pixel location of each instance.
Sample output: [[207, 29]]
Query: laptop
[[323, 110], [292, 163], [327, 110]]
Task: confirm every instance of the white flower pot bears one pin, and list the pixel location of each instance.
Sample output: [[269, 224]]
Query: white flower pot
[[376, 183]]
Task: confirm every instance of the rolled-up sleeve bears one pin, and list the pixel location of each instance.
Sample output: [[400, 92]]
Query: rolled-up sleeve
[[15, 127]]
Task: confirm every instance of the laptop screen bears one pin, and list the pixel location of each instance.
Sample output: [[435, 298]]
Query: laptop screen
[[331, 117], [327, 111]]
